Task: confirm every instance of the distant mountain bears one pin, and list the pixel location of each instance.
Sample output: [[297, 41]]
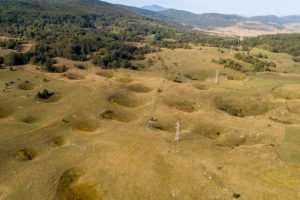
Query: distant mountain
[[211, 21], [202, 20], [154, 8], [151, 14]]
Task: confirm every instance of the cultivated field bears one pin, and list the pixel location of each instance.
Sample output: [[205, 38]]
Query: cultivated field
[[109, 134]]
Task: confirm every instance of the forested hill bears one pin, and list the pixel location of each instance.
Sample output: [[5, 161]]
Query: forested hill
[[76, 29], [85, 29]]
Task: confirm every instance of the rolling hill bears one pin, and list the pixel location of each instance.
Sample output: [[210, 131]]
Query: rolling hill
[[223, 23]]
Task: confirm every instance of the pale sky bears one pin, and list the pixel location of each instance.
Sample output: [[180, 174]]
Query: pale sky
[[241, 7]]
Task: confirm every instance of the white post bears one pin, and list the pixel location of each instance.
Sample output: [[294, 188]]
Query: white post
[[177, 132], [217, 77]]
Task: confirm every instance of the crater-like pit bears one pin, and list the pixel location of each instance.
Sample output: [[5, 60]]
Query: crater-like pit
[[26, 85], [139, 88], [242, 106]]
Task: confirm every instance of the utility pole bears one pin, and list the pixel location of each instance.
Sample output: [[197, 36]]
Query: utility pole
[[177, 132], [217, 77]]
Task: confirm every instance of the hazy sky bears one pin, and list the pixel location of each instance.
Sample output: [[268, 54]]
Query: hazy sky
[[241, 7]]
